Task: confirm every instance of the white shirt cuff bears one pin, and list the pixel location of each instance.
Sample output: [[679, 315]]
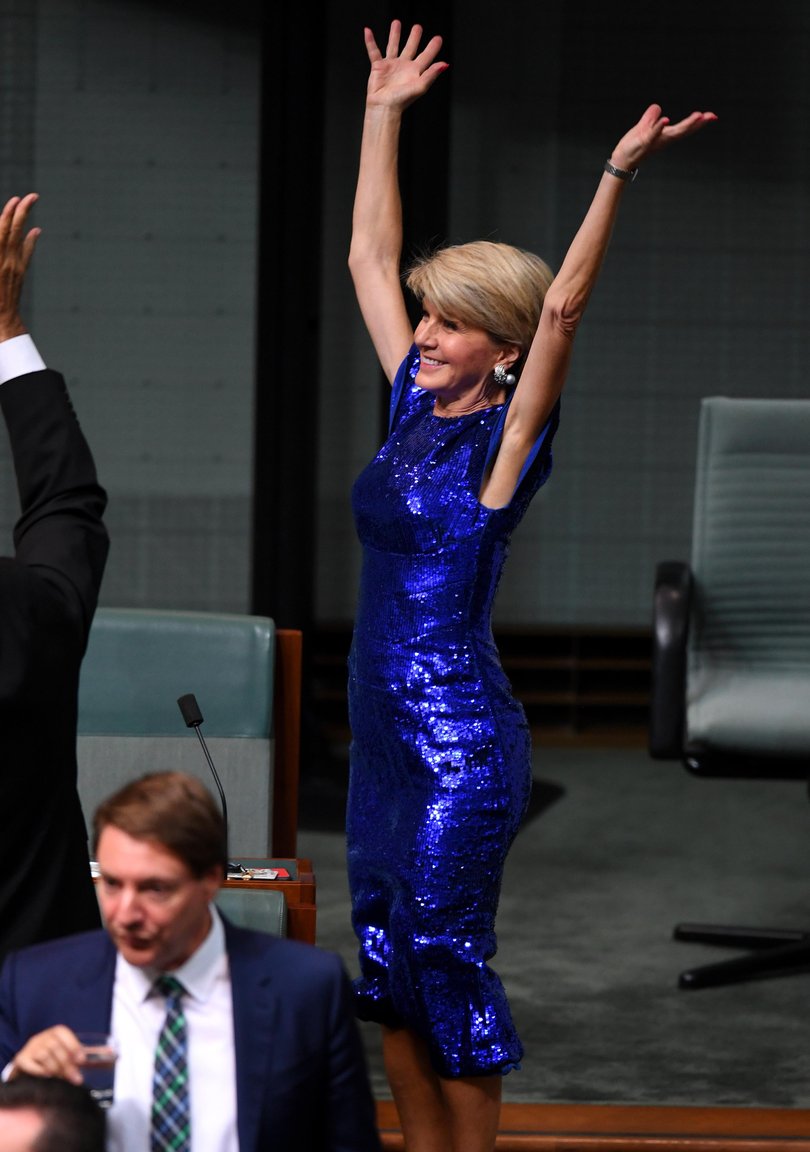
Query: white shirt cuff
[[19, 356]]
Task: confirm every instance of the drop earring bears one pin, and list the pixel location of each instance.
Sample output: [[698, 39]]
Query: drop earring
[[503, 378]]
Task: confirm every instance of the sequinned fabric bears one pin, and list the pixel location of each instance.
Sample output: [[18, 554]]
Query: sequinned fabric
[[441, 753]]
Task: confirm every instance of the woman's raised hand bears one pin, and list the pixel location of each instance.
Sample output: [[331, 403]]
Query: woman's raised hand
[[654, 131], [400, 77]]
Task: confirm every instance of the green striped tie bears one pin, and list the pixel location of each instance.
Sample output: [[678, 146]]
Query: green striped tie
[[171, 1113]]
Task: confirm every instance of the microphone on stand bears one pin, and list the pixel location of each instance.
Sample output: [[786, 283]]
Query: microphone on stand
[[190, 711]]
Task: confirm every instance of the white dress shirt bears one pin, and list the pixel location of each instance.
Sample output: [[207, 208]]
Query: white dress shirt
[[137, 1018], [18, 356]]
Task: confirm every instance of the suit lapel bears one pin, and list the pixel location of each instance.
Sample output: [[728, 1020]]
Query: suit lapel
[[92, 1002], [255, 1007]]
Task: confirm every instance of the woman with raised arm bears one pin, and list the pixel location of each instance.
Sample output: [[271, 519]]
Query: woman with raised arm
[[441, 752]]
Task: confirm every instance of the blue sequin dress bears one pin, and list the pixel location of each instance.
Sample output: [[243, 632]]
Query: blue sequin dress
[[440, 757]]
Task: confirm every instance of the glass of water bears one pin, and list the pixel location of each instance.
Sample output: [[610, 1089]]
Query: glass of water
[[98, 1069]]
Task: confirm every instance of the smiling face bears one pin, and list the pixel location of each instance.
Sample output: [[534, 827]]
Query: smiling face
[[456, 362], [155, 909]]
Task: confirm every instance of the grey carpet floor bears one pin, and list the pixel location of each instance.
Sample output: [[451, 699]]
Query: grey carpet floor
[[617, 849]]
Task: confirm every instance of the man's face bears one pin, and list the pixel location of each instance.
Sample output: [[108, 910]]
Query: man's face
[[19, 1128], [155, 910]]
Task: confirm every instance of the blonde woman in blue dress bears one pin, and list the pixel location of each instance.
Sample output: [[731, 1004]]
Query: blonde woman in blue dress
[[441, 753]]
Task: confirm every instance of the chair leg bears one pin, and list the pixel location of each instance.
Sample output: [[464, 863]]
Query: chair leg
[[771, 952]]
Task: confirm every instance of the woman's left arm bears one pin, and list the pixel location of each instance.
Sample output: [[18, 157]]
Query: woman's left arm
[[547, 363]]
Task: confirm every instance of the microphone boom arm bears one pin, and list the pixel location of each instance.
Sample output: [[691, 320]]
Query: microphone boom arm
[[193, 717]]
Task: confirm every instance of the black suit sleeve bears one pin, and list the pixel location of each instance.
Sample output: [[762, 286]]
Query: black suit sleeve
[[48, 594], [60, 542], [350, 1115]]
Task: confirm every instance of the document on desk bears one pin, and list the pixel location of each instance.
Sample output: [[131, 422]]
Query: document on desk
[[260, 874]]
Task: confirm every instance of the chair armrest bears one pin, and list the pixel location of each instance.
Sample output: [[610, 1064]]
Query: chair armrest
[[671, 607]]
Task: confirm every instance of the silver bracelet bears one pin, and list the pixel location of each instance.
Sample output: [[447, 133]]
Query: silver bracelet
[[621, 173]]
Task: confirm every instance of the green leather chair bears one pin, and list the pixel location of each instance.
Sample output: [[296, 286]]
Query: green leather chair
[[246, 677], [260, 908], [731, 635]]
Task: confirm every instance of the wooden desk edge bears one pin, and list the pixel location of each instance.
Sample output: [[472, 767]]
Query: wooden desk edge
[[609, 1127], [299, 894]]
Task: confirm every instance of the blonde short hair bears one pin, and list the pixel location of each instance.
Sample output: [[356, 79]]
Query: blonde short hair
[[485, 284]]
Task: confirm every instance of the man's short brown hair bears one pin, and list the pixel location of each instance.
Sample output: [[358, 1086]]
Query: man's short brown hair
[[174, 810], [71, 1119]]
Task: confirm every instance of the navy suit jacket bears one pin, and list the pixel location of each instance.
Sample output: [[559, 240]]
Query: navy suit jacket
[[301, 1081]]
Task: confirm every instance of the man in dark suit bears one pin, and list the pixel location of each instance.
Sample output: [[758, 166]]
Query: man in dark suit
[[48, 593], [270, 1050]]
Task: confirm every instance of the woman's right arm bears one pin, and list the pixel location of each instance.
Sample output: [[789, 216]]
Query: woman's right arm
[[395, 81]]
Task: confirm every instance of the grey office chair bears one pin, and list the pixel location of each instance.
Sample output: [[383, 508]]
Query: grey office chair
[[731, 636]]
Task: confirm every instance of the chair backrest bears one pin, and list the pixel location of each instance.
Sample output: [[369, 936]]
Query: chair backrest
[[139, 662], [261, 908], [748, 680]]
